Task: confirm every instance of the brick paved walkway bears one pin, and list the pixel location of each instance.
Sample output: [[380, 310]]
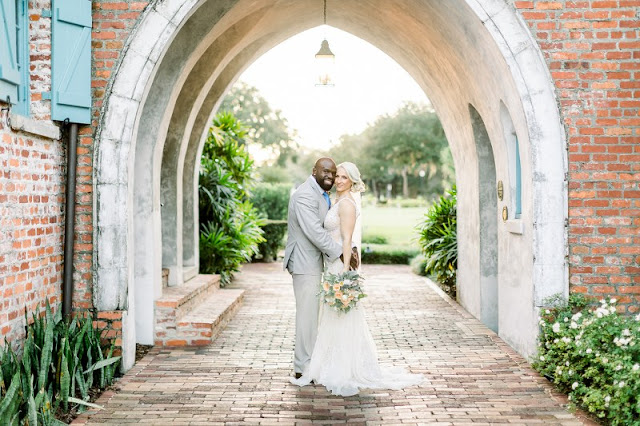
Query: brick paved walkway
[[472, 377]]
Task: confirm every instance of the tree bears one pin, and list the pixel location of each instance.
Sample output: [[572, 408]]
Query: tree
[[265, 127], [399, 146], [409, 141]]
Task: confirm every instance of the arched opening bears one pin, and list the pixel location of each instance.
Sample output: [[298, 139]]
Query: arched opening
[[488, 229], [184, 55]]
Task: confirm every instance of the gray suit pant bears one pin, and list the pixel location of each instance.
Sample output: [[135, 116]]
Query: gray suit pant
[[306, 288]]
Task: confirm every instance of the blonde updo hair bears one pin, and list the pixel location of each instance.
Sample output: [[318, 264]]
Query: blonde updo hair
[[354, 176]]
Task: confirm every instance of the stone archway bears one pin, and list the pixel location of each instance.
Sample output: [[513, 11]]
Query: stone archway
[[183, 55]]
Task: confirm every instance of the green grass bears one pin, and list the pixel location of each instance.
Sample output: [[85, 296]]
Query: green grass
[[397, 224]]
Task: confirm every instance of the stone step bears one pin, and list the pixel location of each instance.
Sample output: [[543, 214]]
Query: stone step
[[205, 322], [195, 312], [180, 300]]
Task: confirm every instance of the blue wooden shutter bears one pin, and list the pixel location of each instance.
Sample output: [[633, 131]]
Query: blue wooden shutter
[[71, 61], [9, 72]]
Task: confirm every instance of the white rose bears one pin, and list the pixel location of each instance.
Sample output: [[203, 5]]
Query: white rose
[[574, 385], [556, 327]]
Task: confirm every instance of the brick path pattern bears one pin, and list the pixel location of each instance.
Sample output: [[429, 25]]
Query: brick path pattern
[[472, 376]]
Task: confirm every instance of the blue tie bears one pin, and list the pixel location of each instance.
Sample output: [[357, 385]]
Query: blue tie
[[326, 197]]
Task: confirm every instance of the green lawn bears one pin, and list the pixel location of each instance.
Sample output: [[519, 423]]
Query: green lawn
[[395, 223]]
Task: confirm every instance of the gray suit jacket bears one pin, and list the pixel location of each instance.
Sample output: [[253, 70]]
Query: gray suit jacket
[[307, 240]]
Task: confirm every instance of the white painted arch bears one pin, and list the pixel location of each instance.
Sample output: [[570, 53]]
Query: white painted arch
[[182, 57]]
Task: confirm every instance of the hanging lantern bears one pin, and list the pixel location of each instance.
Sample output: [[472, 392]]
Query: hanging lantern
[[325, 61]]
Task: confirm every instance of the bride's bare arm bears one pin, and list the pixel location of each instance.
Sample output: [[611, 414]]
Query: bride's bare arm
[[347, 215]]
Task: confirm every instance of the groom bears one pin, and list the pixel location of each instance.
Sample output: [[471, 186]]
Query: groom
[[307, 242]]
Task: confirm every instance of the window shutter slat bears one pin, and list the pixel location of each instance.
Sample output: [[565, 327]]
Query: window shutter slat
[[9, 72], [71, 61]]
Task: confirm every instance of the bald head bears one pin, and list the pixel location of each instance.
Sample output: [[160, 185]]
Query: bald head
[[325, 172]]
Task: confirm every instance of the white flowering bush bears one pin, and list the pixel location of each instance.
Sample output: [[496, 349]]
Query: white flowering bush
[[593, 354]]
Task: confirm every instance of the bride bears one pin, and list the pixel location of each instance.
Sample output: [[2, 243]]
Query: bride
[[344, 357]]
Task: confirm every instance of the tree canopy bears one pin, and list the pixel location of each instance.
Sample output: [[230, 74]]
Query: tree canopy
[[401, 147], [266, 127]]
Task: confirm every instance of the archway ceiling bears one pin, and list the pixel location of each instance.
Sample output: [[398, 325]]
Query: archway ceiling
[[442, 44]]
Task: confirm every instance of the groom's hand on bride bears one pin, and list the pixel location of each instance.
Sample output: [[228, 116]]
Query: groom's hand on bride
[[354, 262]]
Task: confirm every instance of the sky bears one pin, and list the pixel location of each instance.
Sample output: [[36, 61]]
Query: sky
[[368, 83]]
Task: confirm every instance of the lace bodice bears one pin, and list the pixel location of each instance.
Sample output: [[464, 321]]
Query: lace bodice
[[332, 219], [332, 225]]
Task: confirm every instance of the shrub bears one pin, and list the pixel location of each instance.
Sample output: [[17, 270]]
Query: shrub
[[234, 240], [387, 255], [438, 241], [272, 201], [593, 354], [274, 174], [274, 232], [60, 362], [418, 265], [230, 225], [409, 202], [374, 239]]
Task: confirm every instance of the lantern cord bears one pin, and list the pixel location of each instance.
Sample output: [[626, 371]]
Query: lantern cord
[[325, 12]]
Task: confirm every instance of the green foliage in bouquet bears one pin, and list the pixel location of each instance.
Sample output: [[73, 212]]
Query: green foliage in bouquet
[[60, 362], [593, 354], [341, 292], [230, 225], [438, 240]]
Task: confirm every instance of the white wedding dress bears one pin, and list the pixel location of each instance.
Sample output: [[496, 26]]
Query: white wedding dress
[[344, 357]]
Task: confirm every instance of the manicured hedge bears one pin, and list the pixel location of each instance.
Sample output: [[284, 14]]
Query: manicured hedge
[[387, 255]]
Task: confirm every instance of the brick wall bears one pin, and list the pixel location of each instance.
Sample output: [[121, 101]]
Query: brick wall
[[31, 198], [593, 51]]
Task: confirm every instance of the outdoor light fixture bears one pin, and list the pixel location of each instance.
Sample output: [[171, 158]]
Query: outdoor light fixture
[[325, 59]]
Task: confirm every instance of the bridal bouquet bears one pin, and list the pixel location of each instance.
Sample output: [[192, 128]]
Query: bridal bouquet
[[342, 291]]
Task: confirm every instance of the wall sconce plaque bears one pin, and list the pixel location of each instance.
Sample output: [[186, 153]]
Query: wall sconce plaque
[[505, 214], [500, 190]]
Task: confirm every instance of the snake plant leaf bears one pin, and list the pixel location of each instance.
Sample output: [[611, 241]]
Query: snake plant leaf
[[88, 404], [47, 349], [65, 378], [32, 409], [82, 384], [102, 363], [40, 399], [58, 315], [26, 354], [6, 413]]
